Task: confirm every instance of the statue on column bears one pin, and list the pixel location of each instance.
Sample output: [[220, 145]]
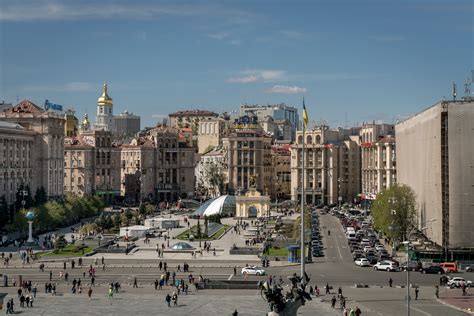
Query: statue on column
[[253, 181]]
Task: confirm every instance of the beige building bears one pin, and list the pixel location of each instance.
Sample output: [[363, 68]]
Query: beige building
[[252, 204], [332, 166], [210, 164], [138, 170], [248, 150], [435, 157], [91, 165], [189, 119], [280, 188], [71, 123], [36, 158], [378, 158], [16, 159], [210, 133]]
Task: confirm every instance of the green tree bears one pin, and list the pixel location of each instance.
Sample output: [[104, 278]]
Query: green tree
[[142, 209], [19, 223], [43, 220], [117, 221], [127, 216], [215, 177], [60, 243], [57, 213], [297, 224], [4, 212], [198, 230], [394, 211], [40, 196], [150, 209]]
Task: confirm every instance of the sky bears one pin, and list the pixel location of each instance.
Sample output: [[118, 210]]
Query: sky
[[353, 61]]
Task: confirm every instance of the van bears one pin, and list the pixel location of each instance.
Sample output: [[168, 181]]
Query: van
[[351, 236], [449, 267]]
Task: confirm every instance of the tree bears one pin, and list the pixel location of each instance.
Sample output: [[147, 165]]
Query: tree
[[127, 216], [40, 196], [198, 230], [215, 178], [57, 213], [4, 212], [60, 243], [206, 225], [19, 223], [394, 211], [297, 224]]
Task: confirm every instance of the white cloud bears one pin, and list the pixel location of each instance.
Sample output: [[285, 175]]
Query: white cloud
[[48, 10], [78, 86], [286, 89], [248, 76], [219, 36]]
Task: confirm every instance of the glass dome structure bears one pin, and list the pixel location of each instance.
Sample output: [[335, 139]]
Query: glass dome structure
[[222, 205], [182, 246]]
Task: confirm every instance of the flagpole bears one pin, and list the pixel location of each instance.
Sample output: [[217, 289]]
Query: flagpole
[[302, 200]]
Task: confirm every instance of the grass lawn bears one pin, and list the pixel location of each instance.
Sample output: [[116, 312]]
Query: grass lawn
[[218, 234], [68, 251], [278, 252]]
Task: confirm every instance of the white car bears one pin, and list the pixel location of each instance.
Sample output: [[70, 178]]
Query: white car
[[386, 266], [362, 262], [253, 270], [379, 247], [458, 281], [367, 248]]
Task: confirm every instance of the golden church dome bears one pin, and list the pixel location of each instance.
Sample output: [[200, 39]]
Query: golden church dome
[[104, 99]]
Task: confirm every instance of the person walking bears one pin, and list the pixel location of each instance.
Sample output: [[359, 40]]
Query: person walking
[[156, 284], [111, 292], [357, 311], [89, 293], [352, 312], [417, 289], [390, 282], [235, 271], [175, 299], [327, 288], [135, 285], [168, 299], [333, 301], [235, 313], [437, 291]]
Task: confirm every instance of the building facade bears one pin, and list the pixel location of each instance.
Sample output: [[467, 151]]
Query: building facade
[[212, 164], [210, 133], [278, 112], [280, 188], [435, 157], [46, 151], [91, 165], [71, 123], [126, 124], [378, 158], [105, 112], [332, 166], [189, 119], [248, 150]]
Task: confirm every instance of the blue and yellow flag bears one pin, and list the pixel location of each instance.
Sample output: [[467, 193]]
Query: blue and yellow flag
[[305, 115]]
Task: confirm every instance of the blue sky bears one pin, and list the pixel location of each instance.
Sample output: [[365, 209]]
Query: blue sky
[[367, 60]]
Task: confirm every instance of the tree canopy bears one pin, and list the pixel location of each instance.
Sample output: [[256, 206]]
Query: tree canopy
[[394, 212]]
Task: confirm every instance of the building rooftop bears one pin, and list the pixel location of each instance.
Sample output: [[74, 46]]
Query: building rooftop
[[193, 113]]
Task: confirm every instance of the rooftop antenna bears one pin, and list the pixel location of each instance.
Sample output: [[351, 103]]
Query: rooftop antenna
[[454, 91]]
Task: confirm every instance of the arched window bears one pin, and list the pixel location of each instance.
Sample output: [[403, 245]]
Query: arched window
[[300, 139], [309, 139], [318, 139]]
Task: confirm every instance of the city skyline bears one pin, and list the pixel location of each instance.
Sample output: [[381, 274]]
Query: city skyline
[[220, 55]]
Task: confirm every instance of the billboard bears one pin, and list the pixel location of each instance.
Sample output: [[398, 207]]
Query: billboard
[[51, 106]]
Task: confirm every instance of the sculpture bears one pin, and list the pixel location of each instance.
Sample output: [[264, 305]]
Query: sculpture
[[288, 304]]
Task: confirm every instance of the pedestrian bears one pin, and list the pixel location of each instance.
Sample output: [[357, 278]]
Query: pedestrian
[[235, 271], [344, 312], [156, 284], [416, 292], [390, 282], [111, 292], [352, 312], [327, 288], [235, 313], [342, 302], [160, 265], [357, 311], [437, 291], [175, 299], [339, 292], [135, 285], [8, 306], [168, 299], [333, 301], [93, 281], [35, 289], [89, 293], [50, 275]]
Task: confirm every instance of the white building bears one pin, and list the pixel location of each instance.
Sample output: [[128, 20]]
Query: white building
[[105, 116]]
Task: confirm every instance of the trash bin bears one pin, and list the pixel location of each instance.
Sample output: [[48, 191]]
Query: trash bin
[[5, 280]]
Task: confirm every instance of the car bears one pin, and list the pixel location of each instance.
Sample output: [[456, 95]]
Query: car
[[412, 266], [432, 270], [379, 247], [468, 269], [367, 248], [253, 270], [386, 265], [372, 259], [362, 262], [458, 281]]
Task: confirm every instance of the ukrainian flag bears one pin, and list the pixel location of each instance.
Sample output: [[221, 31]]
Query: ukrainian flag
[[305, 115]]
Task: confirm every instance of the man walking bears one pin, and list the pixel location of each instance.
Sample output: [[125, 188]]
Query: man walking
[[390, 282], [333, 301], [437, 291], [135, 285], [327, 288], [168, 299], [416, 293]]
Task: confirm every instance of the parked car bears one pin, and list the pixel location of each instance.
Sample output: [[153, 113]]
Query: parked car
[[458, 281], [386, 265], [372, 259], [253, 270], [362, 262], [379, 247], [432, 270], [468, 269], [412, 266], [449, 267]]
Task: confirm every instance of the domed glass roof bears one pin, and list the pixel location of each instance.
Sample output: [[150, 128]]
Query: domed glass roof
[[223, 205], [182, 246]]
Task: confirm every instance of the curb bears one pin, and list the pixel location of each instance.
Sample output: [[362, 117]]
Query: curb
[[455, 307]]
